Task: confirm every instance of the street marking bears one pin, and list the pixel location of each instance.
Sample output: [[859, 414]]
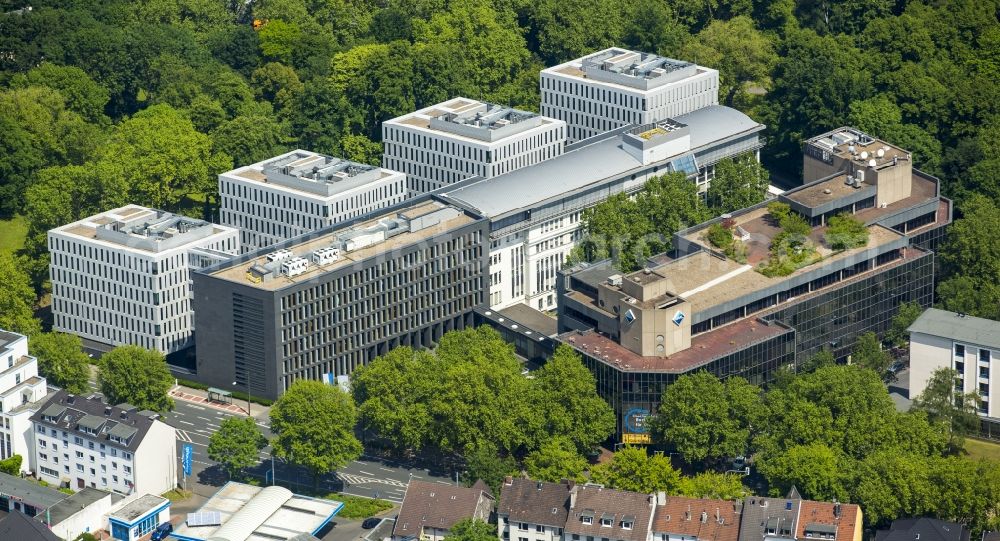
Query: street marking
[[186, 422], [351, 479], [182, 435], [366, 472], [197, 407], [386, 469], [444, 482]]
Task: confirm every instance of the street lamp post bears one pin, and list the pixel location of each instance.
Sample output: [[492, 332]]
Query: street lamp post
[[235, 383]]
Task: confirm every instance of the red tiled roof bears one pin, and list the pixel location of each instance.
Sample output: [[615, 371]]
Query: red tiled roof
[[811, 512]]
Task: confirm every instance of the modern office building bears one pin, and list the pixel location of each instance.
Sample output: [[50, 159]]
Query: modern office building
[[700, 309], [616, 87], [22, 391], [966, 344], [462, 138], [319, 306], [84, 442], [123, 276], [535, 212], [301, 191]]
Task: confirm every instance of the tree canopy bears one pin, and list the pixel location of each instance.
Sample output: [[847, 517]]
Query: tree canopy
[[61, 360], [236, 444], [138, 376]]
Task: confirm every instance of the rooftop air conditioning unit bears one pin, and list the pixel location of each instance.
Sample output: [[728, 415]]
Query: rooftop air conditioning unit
[[294, 266], [279, 255]]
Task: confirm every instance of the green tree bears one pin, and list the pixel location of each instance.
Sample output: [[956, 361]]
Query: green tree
[[821, 358], [815, 469], [17, 298], [250, 139], [155, 158], [313, 427], [972, 264], [276, 83], [278, 40], [556, 459], [484, 462], [714, 485], [632, 469], [361, 149], [908, 313], [957, 412], [138, 376], [889, 485], [868, 353], [61, 360], [844, 232], [236, 445], [11, 466], [739, 183], [563, 30], [568, 401], [393, 393], [703, 418], [470, 529], [83, 95], [743, 55]]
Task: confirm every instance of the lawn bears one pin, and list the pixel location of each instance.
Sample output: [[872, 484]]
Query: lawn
[[12, 234], [982, 449], [356, 507]]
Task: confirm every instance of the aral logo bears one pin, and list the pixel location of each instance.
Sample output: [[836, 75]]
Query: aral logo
[[678, 318]]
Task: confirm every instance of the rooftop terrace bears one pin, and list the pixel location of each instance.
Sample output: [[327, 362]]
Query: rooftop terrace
[[473, 120], [632, 69], [307, 257], [142, 229], [311, 173]]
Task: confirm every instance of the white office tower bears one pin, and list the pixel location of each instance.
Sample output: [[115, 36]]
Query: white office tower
[[301, 191], [461, 138], [123, 276], [22, 392], [617, 87]]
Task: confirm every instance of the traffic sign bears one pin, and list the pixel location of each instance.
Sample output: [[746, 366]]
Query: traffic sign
[[186, 456]]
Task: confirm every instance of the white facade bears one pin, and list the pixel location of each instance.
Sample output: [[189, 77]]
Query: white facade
[[299, 192], [526, 531], [123, 276], [972, 362], [89, 517], [462, 138], [617, 87], [21, 389], [69, 454]]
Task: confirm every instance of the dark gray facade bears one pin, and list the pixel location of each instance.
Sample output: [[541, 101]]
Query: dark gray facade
[[333, 322]]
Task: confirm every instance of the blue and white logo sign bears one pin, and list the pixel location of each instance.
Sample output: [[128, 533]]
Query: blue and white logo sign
[[635, 421], [678, 318], [629, 316], [187, 452]]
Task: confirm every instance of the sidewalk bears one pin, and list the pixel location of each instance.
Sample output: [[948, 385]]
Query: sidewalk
[[197, 396]]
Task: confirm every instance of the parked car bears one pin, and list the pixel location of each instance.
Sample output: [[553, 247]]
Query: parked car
[[897, 366], [162, 531], [370, 522]]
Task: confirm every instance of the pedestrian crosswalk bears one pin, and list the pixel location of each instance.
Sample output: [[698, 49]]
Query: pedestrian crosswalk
[[352, 479]]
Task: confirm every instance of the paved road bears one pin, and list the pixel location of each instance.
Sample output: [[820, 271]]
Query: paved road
[[369, 476]]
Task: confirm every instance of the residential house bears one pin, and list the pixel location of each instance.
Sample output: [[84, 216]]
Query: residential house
[[794, 519], [695, 519], [924, 529], [605, 514], [533, 510], [429, 510]]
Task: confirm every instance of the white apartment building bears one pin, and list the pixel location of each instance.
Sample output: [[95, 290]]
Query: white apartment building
[[83, 442], [462, 138], [617, 87], [21, 393], [299, 192], [967, 344], [123, 276]]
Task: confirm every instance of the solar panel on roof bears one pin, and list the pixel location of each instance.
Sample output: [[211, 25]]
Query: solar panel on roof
[[206, 518]]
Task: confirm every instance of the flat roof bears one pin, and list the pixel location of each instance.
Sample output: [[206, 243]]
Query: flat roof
[[626, 69], [705, 347], [531, 318], [138, 508], [252, 513], [142, 229], [590, 164], [473, 121], [305, 245], [29, 491], [74, 504], [958, 327], [311, 174]]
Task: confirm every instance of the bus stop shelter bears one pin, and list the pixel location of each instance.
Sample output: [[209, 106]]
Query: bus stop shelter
[[218, 395]]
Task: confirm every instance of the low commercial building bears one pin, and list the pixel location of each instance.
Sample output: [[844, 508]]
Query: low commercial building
[[532, 510], [703, 310], [429, 510], [123, 276], [301, 191], [22, 391], [133, 519], [617, 87], [240, 512], [462, 138], [84, 442], [966, 344], [319, 306], [83, 512], [535, 212], [19, 495]]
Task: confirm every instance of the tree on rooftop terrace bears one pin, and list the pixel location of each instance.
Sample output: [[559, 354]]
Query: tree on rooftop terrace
[[844, 232]]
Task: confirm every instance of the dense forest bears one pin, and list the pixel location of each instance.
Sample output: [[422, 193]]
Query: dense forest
[[104, 102]]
